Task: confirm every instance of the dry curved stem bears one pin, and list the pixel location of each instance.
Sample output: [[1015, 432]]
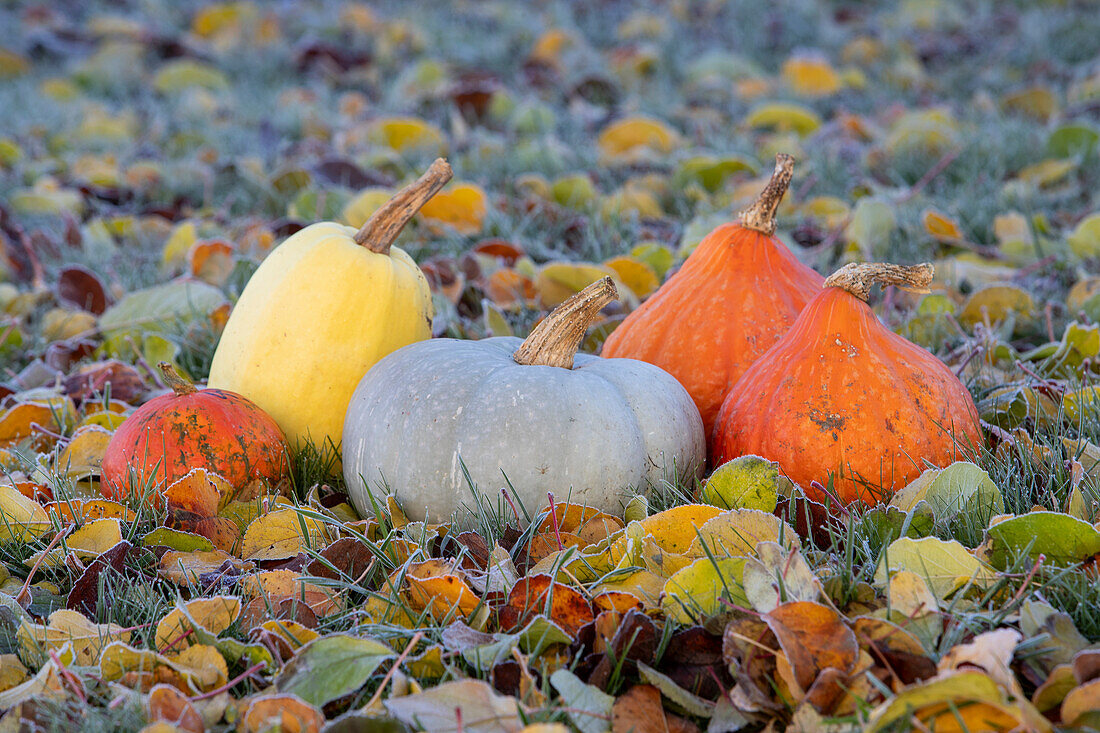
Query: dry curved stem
[[555, 340], [761, 215], [382, 228], [176, 381], [859, 277]]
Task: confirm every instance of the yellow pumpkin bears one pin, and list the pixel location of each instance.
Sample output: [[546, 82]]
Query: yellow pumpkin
[[320, 311]]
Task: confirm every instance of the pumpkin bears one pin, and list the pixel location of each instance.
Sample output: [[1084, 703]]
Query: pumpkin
[[533, 414], [842, 396], [323, 307], [211, 429], [734, 296]]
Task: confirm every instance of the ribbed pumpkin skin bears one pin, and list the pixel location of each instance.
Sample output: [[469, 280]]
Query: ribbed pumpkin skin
[[213, 429], [842, 394], [732, 299]]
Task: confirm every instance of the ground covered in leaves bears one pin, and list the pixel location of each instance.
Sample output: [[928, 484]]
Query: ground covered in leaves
[[152, 153]]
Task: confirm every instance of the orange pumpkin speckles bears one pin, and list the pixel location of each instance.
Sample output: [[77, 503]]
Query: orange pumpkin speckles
[[842, 395], [732, 299], [219, 431]]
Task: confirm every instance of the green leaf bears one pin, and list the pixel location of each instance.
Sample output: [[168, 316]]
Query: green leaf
[[872, 223], [884, 524], [696, 591], [536, 636], [1072, 140], [331, 667], [589, 706], [960, 490], [748, 482], [945, 566], [237, 652], [1060, 538], [1085, 239], [709, 172], [177, 540], [164, 308]]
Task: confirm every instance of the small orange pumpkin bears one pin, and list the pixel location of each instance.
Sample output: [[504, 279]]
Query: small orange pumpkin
[[213, 429], [841, 395], [738, 292]]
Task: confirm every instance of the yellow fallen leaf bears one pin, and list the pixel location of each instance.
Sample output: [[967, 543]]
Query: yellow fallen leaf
[[736, 532], [630, 201], [829, 210], [942, 228], [84, 453], [63, 627], [784, 116], [292, 632], [82, 510], [461, 207], [23, 419], [810, 76], [1084, 240], [549, 46], [280, 585], [635, 138], [556, 281], [1036, 101], [1011, 227], [180, 241], [282, 534], [87, 542], [673, 530], [995, 303], [59, 324], [200, 667], [928, 132], [21, 519], [696, 592], [407, 135], [436, 586], [209, 616], [12, 64], [1048, 172], [179, 74], [366, 202], [12, 672]]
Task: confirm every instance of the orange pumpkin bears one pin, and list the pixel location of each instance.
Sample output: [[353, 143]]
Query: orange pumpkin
[[738, 292], [841, 395], [216, 430]]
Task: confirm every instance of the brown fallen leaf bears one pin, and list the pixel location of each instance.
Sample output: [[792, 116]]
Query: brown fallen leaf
[[287, 713], [814, 637], [540, 593], [639, 710], [168, 705]]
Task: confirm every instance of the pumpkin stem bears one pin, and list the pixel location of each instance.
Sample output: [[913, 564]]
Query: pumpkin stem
[[761, 215], [858, 277], [179, 384], [555, 340], [382, 228]]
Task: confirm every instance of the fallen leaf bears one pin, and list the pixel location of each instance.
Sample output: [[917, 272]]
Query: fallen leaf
[[463, 705], [281, 712], [330, 667]]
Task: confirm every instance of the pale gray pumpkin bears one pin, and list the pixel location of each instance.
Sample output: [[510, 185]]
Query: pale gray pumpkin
[[587, 432]]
